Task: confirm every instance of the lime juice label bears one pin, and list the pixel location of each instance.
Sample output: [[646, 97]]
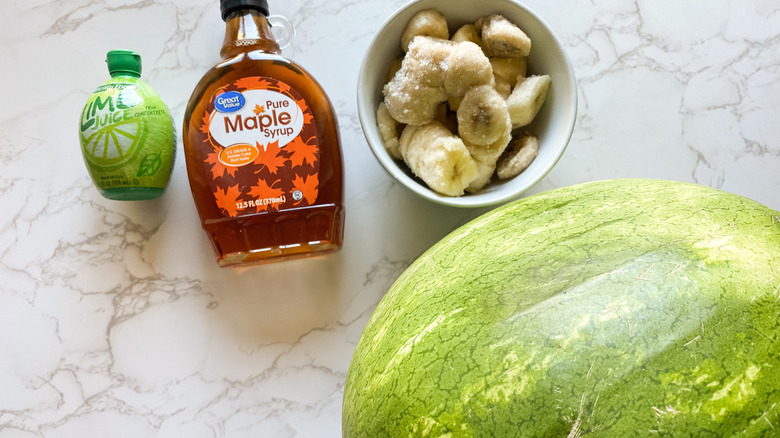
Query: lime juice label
[[127, 139]]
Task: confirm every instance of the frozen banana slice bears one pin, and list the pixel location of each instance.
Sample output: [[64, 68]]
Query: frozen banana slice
[[435, 50], [438, 158], [486, 157], [393, 68], [518, 156], [489, 154], [484, 175], [501, 37], [527, 99], [388, 130], [483, 117], [417, 89], [428, 22], [467, 66], [467, 33], [426, 61], [509, 69], [502, 86], [413, 107]]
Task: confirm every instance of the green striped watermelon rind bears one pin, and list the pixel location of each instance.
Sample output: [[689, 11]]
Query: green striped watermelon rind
[[614, 308]]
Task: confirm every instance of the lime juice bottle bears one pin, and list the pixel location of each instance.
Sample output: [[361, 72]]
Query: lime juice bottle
[[127, 134]]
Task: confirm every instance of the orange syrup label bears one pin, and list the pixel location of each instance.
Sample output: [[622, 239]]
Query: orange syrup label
[[261, 147]]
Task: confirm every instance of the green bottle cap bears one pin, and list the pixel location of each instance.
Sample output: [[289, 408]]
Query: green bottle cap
[[124, 63]]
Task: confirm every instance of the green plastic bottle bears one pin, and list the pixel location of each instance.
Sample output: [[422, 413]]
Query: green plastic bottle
[[127, 134]]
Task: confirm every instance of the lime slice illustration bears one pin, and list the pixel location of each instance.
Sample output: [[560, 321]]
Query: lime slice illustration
[[115, 144]]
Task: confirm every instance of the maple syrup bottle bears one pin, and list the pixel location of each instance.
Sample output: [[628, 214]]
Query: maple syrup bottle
[[262, 148]]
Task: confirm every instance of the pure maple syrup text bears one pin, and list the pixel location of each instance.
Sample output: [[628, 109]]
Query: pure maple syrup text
[[263, 123]]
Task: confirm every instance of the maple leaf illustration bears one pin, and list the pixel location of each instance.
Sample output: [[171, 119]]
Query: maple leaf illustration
[[271, 157], [283, 88], [226, 88], [204, 124], [309, 187], [227, 198], [251, 82], [302, 152], [217, 168], [307, 114], [259, 109], [308, 117], [263, 190]]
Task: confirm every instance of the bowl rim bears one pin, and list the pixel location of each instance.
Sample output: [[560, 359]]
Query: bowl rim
[[485, 199]]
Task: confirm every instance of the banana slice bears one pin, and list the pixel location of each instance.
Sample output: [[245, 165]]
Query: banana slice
[[486, 157], [439, 158], [467, 33], [503, 87], [484, 175], [483, 117], [427, 60], [501, 37], [388, 130], [489, 154], [527, 99], [428, 22], [467, 66], [417, 89], [417, 108], [393, 68], [518, 156], [509, 69]]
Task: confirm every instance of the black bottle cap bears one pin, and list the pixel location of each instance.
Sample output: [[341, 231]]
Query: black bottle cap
[[228, 6]]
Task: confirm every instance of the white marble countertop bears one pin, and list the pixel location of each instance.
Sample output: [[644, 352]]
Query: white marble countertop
[[116, 321]]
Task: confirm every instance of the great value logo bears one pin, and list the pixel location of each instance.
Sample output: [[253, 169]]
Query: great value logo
[[229, 102]]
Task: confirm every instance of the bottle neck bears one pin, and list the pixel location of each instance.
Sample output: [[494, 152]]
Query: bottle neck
[[125, 74], [248, 30]]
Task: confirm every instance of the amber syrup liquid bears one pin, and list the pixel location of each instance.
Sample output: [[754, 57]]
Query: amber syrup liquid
[[250, 49]]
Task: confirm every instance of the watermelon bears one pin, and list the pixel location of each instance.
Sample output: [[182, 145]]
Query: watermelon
[[620, 308]]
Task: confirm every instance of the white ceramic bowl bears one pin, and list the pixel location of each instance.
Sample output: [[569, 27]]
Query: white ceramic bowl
[[553, 125]]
